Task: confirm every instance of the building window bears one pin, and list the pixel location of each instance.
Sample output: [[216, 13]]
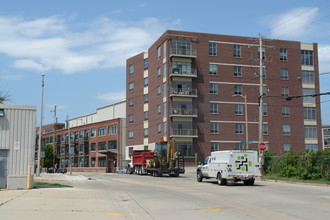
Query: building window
[[309, 113], [264, 110], [159, 52], [146, 115], [285, 91], [286, 130], [159, 129], [239, 146], [326, 131], [159, 110], [212, 49], [238, 109], [309, 98], [145, 98], [131, 102], [284, 74], [131, 69], [265, 129], [112, 145], [145, 132], [238, 128], [93, 146], [308, 77], [146, 63], [112, 129], [237, 50], [263, 72], [263, 53], [237, 89], [213, 69], [131, 86], [327, 141], [130, 118], [165, 109], [164, 89], [214, 146], [184, 148], [307, 57], [146, 82], [286, 148], [93, 161], [310, 132], [164, 71], [164, 49], [213, 108], [283, 54], [165, 128], [159, 73], [311, 147], [93, 133], [159, 90], [213, 88], [102, 162], [214, 128], [181, 47], [130, 135], [285, 111], [237, 71], [102, 146], [102, 131]]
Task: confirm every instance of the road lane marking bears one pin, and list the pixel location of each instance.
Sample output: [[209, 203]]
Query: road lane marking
[[115, 214], [323, 203], [210, 209]]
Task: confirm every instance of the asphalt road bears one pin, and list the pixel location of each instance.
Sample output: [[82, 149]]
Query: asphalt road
[[123, 196]]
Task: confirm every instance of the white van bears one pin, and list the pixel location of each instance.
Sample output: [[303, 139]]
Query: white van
[[230, 165]]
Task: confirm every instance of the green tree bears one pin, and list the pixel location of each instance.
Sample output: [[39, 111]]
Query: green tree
[[48, 149], [4, 96]]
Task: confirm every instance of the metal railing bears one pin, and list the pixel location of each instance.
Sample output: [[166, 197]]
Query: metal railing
[[183, 112], [183, 92], [183, 52], [184, 132], [187, 73]]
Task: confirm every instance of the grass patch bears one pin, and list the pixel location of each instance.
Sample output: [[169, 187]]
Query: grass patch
[[44, 184], [292, 179]]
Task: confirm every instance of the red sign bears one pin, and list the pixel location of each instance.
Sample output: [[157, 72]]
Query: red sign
[[262, 146]]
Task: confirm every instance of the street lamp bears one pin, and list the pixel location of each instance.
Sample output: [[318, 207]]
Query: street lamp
[[246, 121]]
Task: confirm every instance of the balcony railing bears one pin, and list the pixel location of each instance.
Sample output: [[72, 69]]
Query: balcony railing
[[184, 73], [183, 52], [184, 133], [183, 92], [182, 112]]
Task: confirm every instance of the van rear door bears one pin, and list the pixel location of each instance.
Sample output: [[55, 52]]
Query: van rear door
[[243, 163]]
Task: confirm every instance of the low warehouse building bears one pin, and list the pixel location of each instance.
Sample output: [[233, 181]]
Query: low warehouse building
[[17, 145]]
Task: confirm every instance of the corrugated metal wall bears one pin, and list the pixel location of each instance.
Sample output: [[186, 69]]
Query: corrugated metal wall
[[18, 126]]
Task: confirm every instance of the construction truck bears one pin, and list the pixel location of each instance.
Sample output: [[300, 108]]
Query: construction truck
[[230, 166], [163, 160]]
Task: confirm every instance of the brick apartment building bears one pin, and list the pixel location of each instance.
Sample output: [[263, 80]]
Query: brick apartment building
[[97, 140], [191, 86]]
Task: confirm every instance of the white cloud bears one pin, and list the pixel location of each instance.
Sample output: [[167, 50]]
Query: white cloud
[[50, 43], [293, 24], [113, 96], [12, 77], [324, 58]]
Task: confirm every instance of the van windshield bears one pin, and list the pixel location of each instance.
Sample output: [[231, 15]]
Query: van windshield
[[206, 161]]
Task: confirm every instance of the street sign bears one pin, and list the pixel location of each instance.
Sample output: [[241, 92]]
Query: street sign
[[262, 146]]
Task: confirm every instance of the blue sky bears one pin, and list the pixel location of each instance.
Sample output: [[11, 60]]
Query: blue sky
[[82, 46]]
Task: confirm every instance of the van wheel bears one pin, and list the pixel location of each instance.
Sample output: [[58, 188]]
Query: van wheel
[[199, 176], [221, 181], [249, 182]]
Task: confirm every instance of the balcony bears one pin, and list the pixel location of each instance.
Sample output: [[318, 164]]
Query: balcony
[[184, 133], [83, 139], [183, 52], [181, 112], [183, 92], [184, 73]]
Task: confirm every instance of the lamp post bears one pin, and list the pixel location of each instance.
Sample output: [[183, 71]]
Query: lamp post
[[40, 128]]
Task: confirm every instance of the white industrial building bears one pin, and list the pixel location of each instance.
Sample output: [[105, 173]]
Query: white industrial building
[[17, 146]]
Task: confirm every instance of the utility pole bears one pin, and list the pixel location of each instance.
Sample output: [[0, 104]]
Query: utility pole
[[40, 127], [246, 123], [54, 137], [260, 140], [70, 163]]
